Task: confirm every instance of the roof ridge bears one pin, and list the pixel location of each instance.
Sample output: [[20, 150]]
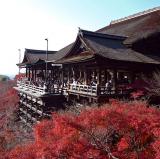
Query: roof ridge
[[33, 51], [102, 34], [135, 15]]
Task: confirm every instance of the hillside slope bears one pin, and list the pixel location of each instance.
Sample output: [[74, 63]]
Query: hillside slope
[[4, 78]]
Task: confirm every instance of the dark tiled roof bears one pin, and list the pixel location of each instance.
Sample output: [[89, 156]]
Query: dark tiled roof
[[75, 59], [126, 30], [130, 56], [110, 47], [32, 56], [38, 52], [89, 36], [61, 53], [101, 42], [135, 27], [109, 41], [101, 35], [143, 35]]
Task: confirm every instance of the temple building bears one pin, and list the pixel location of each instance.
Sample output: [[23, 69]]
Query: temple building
[[95, 67]]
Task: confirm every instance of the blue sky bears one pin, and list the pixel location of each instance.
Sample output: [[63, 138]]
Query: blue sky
[[26, 23]]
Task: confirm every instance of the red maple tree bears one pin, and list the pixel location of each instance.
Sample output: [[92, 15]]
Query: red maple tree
[[8, 105], [115, 131]]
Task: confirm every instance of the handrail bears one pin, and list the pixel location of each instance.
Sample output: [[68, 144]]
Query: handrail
[[27, 85], [83, 89], [73, 88], [33, 88], [105, 91], [95, 90]]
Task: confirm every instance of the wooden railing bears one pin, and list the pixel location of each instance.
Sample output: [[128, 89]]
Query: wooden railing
[[95, 90], [55, 89], [83, 89], [105, 91], [73, 88], [28, 86]]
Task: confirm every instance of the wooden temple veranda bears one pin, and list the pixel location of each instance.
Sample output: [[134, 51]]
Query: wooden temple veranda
[[95, 67]]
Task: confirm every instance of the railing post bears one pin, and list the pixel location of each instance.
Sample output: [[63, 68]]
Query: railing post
[[44, 88], [91, 89], [98, 89], [79, 88]]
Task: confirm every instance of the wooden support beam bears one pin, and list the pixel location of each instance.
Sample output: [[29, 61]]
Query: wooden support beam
[[52, 72], [98, 76], [132, 76], [35, 74], [29, 75], [26, 72], [106, 76], [68, 75], [85, 76], [62, 77], [115, 80], [32, 73]]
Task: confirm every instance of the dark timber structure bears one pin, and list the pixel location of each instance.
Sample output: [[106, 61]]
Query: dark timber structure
[[97, 66]]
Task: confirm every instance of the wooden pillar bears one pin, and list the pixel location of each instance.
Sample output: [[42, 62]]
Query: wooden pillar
[[98, 81], [115, 80], [62, 77], [29, 74], [98, 76], [42, 73], [68, 75], [32, 74], [85, 76], [26, 72], [105, 76], [45, 73], [35, 72], [80, 74], [52, 73], [132, 76]]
